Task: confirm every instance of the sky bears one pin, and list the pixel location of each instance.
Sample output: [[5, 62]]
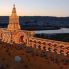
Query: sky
[[58, 8]]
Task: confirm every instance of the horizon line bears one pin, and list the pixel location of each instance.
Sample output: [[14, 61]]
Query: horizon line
[[37, 15]]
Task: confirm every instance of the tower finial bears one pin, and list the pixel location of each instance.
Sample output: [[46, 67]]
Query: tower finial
[[14, 9], [14, 5]]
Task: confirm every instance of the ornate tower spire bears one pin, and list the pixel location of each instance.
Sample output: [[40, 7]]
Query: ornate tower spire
[[13, 20], [14, 10]]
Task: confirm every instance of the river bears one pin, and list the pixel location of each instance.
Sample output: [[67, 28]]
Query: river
[[59, 31]]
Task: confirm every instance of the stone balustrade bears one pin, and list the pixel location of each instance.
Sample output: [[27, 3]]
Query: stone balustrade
[[47, 44]]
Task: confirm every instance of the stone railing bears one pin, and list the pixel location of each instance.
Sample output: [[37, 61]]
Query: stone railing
[[52, 45]]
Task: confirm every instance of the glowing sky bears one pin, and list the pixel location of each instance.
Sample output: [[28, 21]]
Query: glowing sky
[[35, 7]]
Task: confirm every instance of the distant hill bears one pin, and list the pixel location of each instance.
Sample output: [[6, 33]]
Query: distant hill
[[38, 22]]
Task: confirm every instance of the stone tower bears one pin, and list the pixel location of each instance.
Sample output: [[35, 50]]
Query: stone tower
[[14, 21]]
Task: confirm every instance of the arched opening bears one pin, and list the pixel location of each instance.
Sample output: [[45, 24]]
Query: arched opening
[[21, 39]]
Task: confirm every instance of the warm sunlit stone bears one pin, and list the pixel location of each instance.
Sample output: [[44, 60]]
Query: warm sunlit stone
[[14, 20], [13, 32]]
